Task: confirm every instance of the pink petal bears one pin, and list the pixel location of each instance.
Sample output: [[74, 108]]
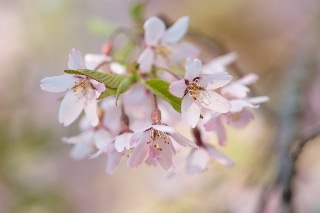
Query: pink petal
[[154, 29], [220, 133], [219, 156], [239, 119], [238, 105], [76, 61], [90, 107], [70, 108], [146, 60], [183, 51], [59, 83], [211, 124], [140, 153], [259, 100], [164, 128], [151, 161], [190, 111], [123, 141], [213, 101], [165, 158], [102, 138], [219, 64], [176, 31], [248, 79], [178, 88], [214, 81], [235, 90], [84, 137], [197, 161], [81, 151], [113, 160], [193, 69], [94, 60], [182, 140]]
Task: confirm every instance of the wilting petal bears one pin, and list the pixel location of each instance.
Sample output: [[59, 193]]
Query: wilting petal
[[197, 161], [154, 29], [164, 128], [146, 60], [190, 111], [113, 160], [182, 140], [70, 108], [214, 81], [219, 156], [176, 31], [81, 151], [123, 141], [76, 61], [213, 101], [140, 153], [59, 83], [178, 88], [219, 64], [193, 69], [239, 119], [90, 107]]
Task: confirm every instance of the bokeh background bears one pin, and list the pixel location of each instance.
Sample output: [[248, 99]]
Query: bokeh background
[[279, 40]]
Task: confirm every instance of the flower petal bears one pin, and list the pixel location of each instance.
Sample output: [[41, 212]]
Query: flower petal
[[214, 81], [259, 100], [165, 157], [182, 140], [193, 69], [102, 138], [239, 119], [220, 133], [238, 105], [177, 88], [219, 156], [59, 83], [81, 151], [113, 160], [140, 153], [90, 107], [154, 29], [190, 111], [219, 64], [248, 79], [123, 141], [213, 101], [176, 31], [164, 128], [76, 61], [70, 108], [197, 161], [146, 60], [94, 60]]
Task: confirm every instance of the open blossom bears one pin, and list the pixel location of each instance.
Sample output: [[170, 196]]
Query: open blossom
[[197, 92], [160, 42], [81, 92], [239, 115], [156, 142]]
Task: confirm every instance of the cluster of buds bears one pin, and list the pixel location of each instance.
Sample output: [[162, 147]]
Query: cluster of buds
[[131, 106]]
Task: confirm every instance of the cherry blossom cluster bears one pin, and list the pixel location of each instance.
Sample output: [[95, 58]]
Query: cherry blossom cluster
[[131, 107]]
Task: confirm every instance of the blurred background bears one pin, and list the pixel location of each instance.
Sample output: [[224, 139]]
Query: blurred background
[[277, 155]]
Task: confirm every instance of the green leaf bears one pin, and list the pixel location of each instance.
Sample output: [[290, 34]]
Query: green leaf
[[124, 86], [136, 11], [108, 92], [110, 80], [160, 88]]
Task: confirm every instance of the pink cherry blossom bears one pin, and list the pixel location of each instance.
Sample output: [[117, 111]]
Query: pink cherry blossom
[[156, 142], [160, 41], [197, 92], [81, 92], [219, 64]]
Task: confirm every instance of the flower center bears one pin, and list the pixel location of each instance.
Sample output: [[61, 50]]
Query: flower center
[[163, 50], [155, 137], [194, 88]]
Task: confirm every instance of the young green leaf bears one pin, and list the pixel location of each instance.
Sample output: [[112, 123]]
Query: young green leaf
[[160, 88], [108, 92], [110, 80], [125, 85]]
